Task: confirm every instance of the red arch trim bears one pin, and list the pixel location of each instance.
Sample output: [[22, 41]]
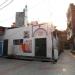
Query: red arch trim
[[39, 29]]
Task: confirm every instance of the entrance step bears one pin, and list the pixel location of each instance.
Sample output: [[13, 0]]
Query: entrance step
[[29, 58]]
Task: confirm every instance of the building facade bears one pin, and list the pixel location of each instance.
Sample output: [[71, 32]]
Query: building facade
[[34, 41], [71, 24]]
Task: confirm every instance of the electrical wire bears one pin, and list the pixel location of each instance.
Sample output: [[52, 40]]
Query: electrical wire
[[29, 10], [3, 3], [6, 4], [13, 0]]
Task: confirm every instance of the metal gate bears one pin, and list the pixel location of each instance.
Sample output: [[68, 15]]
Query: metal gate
[[40, 47]]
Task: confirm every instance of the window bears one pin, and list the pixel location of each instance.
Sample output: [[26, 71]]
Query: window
[[17, 41]]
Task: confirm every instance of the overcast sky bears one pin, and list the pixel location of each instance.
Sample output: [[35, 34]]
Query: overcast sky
[[53, 11]]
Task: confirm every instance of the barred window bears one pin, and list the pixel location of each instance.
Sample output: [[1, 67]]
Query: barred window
[[17, 41]]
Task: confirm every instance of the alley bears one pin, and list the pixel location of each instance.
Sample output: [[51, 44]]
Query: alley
[[64, 66]]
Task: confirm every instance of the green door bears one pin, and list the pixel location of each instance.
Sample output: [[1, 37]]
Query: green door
[[40, 47]]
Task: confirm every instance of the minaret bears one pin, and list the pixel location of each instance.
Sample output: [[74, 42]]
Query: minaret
[[25, 15]]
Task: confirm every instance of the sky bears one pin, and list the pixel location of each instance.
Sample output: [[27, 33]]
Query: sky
[[52, 11]]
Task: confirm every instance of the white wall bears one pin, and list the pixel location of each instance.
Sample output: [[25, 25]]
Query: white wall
[[49, 46], [18, 33]]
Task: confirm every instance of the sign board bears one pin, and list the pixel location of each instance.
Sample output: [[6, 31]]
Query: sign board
[[2, 30], [26, 47], [26, 34]]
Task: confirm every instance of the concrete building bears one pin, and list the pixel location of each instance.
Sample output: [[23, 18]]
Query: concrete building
[[21, 18], [34, 41], [29, 40]]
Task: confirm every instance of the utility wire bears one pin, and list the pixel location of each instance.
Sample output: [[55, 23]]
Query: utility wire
[[3, 3], [6, 4], [13, 0], [29, 9]]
